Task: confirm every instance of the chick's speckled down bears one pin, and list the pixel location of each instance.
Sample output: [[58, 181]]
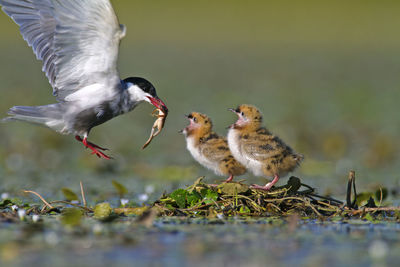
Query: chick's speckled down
[[210, 149], [258, 149]]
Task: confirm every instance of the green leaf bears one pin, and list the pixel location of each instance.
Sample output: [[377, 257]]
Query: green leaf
[[69, 194], [131, 211], [233, 188], [203, 192], [71, 216], [369, 217], [179, 196], [17, 201], [209, 196], [5, 203], [212, 195], [102, 211], [121, 190], [244, 209], [363, 198], [397, 215], [193, 198], [170, 207]]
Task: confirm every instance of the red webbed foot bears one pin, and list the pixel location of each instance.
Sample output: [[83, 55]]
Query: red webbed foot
[[93, 147]]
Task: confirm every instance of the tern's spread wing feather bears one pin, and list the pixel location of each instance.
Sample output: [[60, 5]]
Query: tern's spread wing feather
[[37, 26], [77, 40]]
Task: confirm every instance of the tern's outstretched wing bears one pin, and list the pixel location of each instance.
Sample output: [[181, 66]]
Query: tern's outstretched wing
[[77, 40]]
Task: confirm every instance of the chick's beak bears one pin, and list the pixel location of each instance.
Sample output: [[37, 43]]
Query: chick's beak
[[189, 118], [158, 103], [232, 125]]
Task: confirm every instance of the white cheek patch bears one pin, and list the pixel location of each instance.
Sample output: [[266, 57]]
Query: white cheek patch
[[137, 94]]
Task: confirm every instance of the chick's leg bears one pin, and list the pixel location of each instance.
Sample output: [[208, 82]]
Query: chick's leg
[[268, 186], [229, 179], [93, 147]]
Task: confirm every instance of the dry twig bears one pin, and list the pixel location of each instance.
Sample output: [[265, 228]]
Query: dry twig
[[39, 196]]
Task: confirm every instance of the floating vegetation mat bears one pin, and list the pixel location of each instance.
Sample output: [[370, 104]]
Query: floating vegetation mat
[[225, 200], [238, 199]]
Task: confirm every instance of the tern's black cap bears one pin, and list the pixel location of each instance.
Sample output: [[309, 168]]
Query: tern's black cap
[[143, 84]]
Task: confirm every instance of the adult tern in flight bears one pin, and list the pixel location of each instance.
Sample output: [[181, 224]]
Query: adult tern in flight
[[78, 42]]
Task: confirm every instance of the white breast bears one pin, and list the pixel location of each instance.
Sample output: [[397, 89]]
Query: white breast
[[199, 157], [235, 147], [255, 166]]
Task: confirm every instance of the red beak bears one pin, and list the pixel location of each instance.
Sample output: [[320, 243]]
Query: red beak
[[158, 103]]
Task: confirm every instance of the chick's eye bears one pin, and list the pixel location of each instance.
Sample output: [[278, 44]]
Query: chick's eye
[[195, 119], [242, 113]]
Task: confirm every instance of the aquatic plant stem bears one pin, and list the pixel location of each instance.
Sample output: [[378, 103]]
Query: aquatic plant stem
[[83, 194], [352, 182], [41, 198], [381, 197]]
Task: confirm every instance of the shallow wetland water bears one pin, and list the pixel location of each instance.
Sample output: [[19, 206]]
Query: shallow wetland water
[[200, 242]]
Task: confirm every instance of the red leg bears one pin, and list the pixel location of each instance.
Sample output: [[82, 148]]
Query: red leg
[[229, 179], [90, 143], [93, 147], [268, 186]]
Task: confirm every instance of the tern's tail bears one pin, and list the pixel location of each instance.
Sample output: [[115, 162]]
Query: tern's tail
[[49, 115]]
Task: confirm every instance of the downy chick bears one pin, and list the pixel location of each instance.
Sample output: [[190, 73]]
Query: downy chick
[[258, 149], [209, 149]]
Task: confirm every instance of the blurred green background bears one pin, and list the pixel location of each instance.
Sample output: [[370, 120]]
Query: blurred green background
[[325, 74]]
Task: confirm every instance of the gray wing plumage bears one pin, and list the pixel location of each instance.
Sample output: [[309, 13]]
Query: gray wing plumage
[[77, 40]]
